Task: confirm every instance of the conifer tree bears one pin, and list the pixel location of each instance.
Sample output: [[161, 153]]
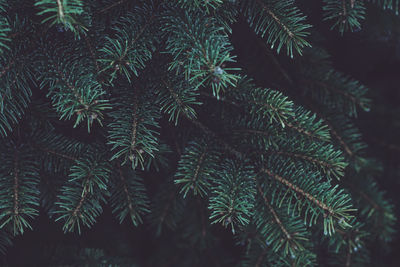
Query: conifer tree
[[144, 107]]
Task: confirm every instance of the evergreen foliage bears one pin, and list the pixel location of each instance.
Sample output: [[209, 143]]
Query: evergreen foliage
[[144, 107]]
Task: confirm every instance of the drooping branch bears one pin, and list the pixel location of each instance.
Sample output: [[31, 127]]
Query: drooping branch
[[273, 212], [299, 190]]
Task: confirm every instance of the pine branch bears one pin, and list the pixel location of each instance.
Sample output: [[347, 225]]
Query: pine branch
[[133, 130], [258, 138], [280, 21], [178, 99], [66, 13], [133, 44], [166, 208], [348, 137], [5, 28], [73, 93], [263, 255], [376, 208], [332, 204], [232, 198], [55, 152], [199, 51], [284, 235], [347, 248], [128, 196], [79, 202], [273, 106], [197, 164], [16, 91], [330, 87], [19, 197], [322, 157], [275, 216], [254, 136], [5, 241], [346, 14], [256, 160]]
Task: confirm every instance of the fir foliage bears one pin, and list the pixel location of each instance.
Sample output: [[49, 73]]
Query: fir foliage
[[4, 28], [128, 196], [20, 177], [80, 198], [199, 50], [144, 109], [62, 12], [346, 14], [232, 200], [132, 44], [133, 128], [196, 167], [281, 21]]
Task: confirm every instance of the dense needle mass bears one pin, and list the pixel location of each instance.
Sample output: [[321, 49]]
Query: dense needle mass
[[152, 111]]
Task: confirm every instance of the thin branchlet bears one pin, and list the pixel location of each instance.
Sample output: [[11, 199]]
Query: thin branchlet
[[134, 124], [71, 87], [16, 183], [340, 139], [198, 166], [55, 153], [126, 191], [60, 10], [77, 209]]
